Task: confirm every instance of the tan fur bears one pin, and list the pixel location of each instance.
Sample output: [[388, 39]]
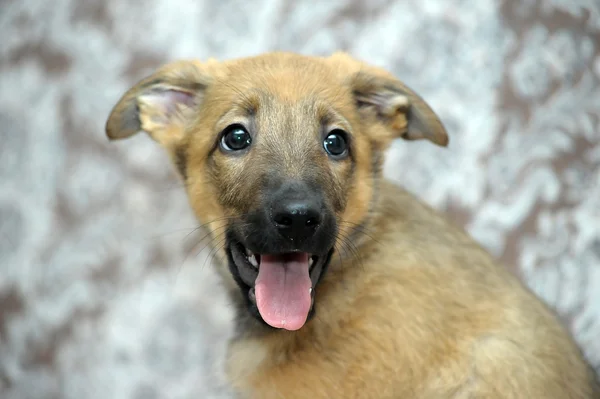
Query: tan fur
[[412, 307]]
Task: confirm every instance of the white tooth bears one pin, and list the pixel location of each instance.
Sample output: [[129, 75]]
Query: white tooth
[[252, 260], [248, 252], [310, 290], [311, 260]]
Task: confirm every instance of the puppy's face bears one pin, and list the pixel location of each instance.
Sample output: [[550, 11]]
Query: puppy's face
[[280, 155]]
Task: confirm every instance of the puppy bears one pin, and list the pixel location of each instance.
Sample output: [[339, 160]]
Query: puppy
[[345, 285]]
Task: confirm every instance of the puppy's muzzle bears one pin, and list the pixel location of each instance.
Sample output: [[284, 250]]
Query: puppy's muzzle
[[291, 216], [279, 251]]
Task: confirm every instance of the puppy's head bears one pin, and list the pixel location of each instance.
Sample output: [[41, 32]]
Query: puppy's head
[[280, 154]]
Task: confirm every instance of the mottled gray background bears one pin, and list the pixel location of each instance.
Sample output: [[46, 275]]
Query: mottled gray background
[[102, 295]]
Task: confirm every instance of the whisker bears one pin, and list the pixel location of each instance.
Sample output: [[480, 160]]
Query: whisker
[[216, 248], [348, 253], [216, 229], [224, 218], [342, 266], [217, 238], [360, 229], [161, 235], [199, 242], [351, 247]]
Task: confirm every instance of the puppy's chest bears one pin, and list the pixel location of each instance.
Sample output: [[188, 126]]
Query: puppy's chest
[[256, 372]]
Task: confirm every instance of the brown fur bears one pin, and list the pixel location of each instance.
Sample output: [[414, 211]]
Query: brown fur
[[410, 307]]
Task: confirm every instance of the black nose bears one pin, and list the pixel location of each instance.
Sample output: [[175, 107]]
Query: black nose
[[296, 220]]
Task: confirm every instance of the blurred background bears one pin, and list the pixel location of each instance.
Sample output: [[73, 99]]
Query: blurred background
[[104, 293]]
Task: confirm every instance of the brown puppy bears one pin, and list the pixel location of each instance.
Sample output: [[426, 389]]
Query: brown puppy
[[345, 285]]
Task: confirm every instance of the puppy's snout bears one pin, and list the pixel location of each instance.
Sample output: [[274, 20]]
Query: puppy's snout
[[296, 220]]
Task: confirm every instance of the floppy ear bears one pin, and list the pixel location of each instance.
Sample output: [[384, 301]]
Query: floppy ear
[[402, 111], [160, 104]]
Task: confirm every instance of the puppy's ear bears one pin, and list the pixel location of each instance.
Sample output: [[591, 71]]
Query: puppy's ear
[[400, 109], [160, 104]]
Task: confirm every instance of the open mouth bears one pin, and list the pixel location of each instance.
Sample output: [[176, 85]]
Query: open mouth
[[281, 286]]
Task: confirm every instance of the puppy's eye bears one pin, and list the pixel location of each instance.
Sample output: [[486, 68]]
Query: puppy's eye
[[235, 138], [336, 144]]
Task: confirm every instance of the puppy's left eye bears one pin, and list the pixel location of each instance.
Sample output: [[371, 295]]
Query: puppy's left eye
[[336, 143], [235, 138]]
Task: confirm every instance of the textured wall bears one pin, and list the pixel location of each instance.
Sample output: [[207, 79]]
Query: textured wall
[[103, 294]]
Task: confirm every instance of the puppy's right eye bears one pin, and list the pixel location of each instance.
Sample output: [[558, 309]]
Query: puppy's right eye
[[336, 144], [235, 138]]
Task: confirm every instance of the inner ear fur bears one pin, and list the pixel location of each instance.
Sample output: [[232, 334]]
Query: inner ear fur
[[160, 104], [398, 108]]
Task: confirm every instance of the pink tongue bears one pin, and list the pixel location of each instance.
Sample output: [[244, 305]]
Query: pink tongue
[[283, 290]]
